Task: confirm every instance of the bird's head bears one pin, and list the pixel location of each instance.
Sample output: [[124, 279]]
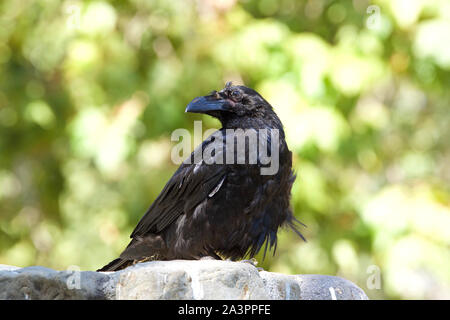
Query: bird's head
[[231, 104]]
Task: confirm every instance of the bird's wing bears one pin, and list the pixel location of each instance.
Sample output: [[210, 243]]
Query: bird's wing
[[193, 182]]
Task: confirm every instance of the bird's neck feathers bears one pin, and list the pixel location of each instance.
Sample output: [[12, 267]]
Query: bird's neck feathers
[[266, 120]]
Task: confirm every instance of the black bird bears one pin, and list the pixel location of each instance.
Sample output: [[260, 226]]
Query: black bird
[[216, 208]]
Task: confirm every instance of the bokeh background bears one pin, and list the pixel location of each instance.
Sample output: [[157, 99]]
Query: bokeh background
[[90, 92]]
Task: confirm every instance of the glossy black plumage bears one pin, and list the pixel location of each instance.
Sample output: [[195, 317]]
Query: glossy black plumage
[[218, 210]]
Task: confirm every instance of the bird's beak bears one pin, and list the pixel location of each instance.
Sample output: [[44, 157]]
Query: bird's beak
[[206, 104]]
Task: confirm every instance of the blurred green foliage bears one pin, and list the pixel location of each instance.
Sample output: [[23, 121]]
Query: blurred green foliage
[[90, 92]]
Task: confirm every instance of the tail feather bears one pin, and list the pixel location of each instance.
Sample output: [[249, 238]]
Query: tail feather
[[293, 224], [117, 264]]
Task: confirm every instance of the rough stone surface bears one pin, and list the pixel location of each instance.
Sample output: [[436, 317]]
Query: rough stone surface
[[179, 279], [33, 283]]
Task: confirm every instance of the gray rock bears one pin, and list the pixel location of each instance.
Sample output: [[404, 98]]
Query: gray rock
[[280, 286], [310, 287], [321, 287], [181, 279], [178, 279], [6, 267], [33, 283]]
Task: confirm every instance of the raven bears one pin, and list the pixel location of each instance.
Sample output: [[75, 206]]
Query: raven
[[220, 209]]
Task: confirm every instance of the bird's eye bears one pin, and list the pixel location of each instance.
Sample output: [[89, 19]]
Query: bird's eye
[[236, 94]]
